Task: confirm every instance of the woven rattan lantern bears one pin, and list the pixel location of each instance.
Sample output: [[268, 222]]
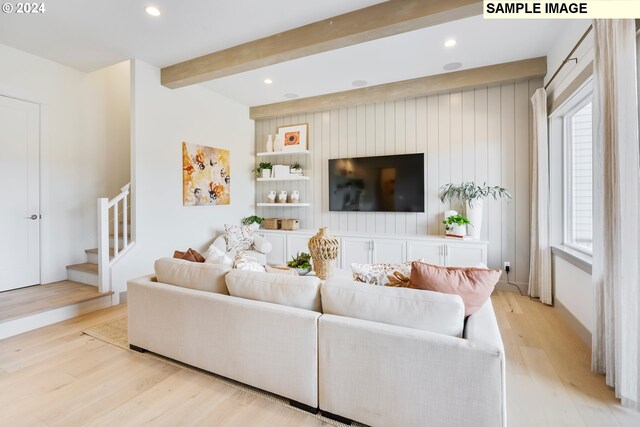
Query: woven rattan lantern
[[324, 250]]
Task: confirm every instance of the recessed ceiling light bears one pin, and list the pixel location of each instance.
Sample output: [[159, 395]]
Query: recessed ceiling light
[[450, 43], [152, 10], [452, 66], [359, 83], [291, 95], [268, 81]]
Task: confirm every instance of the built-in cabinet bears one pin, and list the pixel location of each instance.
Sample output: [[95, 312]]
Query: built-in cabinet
[[357, 248]]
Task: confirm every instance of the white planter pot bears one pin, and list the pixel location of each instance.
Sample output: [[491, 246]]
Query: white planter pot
[[458, 230], [255, 225], [266, 173], [474, 214]]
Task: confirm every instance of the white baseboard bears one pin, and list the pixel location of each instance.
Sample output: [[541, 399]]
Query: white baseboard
[[511, 287], [38, 320], [573, 321]]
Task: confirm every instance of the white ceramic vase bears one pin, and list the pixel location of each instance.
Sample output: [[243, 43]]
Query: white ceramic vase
[[294, 197], [271, 197], [282, 197], [266, 173], [474, 214], [269, 147]]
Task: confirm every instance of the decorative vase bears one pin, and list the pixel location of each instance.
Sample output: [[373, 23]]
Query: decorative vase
[[269, 147], [254, 225], [474, 214], [271, 197], [278, 143], [294, 197], [266, 173], [282, 197], [324, 250]]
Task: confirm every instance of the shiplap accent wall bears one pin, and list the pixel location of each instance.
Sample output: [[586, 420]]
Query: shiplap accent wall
[[480, 134]]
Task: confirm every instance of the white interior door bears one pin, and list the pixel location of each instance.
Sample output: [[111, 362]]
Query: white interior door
[[19, 194]]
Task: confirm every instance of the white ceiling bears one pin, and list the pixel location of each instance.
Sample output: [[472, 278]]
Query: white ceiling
[[89, 35], [418, 53], [92, 34]]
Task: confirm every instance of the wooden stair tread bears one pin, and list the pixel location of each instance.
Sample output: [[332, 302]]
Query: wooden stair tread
[[95, 251], [86, 267], [19, 303]]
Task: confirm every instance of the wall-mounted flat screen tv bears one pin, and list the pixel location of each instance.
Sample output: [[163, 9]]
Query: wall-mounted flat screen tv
[[377, 184]]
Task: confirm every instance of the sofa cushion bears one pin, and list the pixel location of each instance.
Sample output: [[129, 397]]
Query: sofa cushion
[[294, 291], [380, 274], [474, 285], [412, 308], [238, 237], [193, 275]]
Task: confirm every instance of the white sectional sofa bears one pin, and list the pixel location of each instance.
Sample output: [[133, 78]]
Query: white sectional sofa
[[377, 355]]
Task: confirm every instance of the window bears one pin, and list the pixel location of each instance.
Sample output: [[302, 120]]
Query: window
[[578, 172]]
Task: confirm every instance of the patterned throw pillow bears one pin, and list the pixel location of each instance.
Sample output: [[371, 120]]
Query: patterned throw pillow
[[245, 261], [238, 237], [382, 274]]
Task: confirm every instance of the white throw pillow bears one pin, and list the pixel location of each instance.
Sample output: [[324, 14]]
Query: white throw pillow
[[293, 291], [216, 256], [238, 237], [193, 275], [381, 274], [245, 261], [411, 308]]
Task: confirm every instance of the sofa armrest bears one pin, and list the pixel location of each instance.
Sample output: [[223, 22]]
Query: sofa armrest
[[387, 375], [481, 329]]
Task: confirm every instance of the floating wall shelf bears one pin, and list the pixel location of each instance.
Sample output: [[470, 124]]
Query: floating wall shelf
[[281, 205], [281, 153], [290, 178]]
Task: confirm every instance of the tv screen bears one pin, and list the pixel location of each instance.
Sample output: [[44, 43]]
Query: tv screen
[[377, 184]]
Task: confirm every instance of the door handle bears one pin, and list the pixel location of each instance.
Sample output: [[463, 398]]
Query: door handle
[[32, 217]]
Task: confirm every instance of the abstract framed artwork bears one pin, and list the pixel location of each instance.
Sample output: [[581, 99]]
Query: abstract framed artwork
[[295, 137], [206, 176]]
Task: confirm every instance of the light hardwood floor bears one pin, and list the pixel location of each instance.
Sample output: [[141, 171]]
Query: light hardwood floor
[[58, 376]]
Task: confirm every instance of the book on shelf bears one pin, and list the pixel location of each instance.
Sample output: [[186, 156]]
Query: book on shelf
[[457, 237]]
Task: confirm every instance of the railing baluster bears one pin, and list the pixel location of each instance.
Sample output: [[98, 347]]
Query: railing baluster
[[116, 226], [103, 245], [125, 225]]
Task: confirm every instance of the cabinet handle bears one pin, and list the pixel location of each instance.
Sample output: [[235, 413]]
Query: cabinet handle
[[373, 245]]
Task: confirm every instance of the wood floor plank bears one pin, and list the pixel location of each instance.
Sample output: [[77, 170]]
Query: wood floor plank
[[18, 303]]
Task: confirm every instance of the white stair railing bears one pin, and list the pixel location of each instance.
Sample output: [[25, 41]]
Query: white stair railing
[[108, 213]]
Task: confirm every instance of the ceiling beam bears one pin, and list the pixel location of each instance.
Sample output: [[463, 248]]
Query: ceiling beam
[[422, 86], [373, 22]]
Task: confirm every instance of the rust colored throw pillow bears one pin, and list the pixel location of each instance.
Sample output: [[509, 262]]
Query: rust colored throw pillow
[[189, 255], [474, 285]]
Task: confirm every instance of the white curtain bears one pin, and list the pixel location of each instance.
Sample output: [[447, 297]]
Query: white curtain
[[616, 191], [540, 285]]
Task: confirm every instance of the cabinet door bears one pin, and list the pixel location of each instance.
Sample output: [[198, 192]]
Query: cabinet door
[[389, 251], [354, 249], [431, 252], [296, 244], [278, 254], [465, 255]]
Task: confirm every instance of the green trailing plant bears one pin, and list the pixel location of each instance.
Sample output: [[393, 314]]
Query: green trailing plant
[[455, 220], [301, 260], [253, 219], [296, 165], [263, 166], [469, 191]]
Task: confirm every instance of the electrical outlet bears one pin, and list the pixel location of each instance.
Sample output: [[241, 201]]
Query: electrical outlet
[[507, 266]]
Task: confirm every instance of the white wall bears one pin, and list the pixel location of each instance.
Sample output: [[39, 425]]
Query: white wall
[[574, 291], [162, 119], [481, 134], [84, 148]]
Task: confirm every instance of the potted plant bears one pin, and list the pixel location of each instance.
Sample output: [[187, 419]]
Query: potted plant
[[264, 170], [473, 195], [295, 168], [253, 221], [456, 225], [301, 262]]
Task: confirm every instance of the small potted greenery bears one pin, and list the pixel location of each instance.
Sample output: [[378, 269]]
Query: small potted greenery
[[301, 262], [295, 168], [473, 195], [264, 170], [456, 225], [253, 220]]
